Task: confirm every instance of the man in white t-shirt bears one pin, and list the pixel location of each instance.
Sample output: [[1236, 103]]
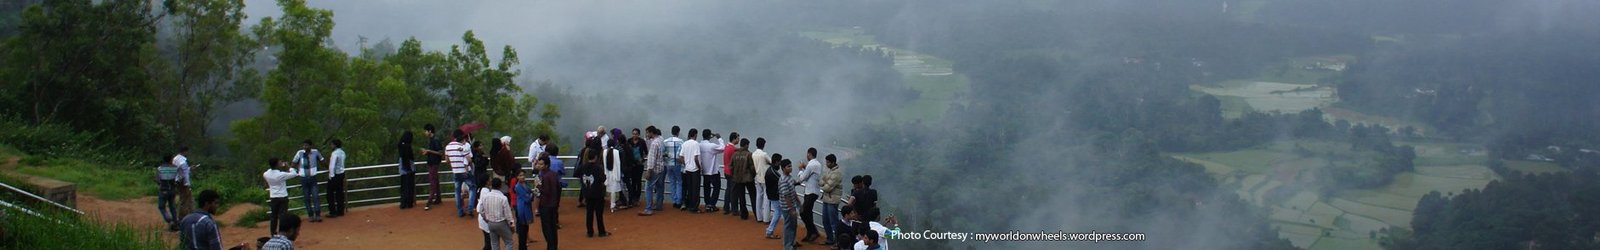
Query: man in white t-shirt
[[690, 155]]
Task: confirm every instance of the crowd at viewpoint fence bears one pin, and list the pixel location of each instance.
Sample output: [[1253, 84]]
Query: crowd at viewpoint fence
[[703, 172]]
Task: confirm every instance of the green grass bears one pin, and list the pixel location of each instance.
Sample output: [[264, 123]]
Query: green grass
[[249, 219], [99, 180], [66, 231]]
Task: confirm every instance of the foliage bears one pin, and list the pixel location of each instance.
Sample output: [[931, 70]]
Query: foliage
[[1556, 211], [319, 93], [209, 58], [249, 219], [81, 63]]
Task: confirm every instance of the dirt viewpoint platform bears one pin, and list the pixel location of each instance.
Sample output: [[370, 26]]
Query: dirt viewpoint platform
[[387, 227]]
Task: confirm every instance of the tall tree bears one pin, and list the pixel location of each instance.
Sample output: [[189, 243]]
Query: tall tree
[[210, 56]]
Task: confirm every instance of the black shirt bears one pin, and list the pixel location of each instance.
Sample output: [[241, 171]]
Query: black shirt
[[772, 183], [434, 145]]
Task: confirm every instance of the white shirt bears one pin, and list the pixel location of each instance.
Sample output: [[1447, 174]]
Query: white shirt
[[183, 168], [493, 206], [276, 179], [308, 161], [482, 193], [690, 152], [534, 150], [883, 243], [761, 158], [336, 162], [711, 156], [810, 175]]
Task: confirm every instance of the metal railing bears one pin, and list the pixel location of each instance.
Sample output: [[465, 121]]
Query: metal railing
[[422, 194], [40, 199], [445, 180]]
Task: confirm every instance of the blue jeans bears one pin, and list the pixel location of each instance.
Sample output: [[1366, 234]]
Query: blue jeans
[[830, 218], [788, 231], [169, 210], [313, 204], [653, 192], [777, 214], [675, 183], [463, 180]]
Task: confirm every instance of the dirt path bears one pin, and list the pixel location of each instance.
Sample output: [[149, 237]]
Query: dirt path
[[387, 227]]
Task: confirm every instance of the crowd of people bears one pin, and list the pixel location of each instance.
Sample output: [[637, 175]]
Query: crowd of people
[[643, 169]]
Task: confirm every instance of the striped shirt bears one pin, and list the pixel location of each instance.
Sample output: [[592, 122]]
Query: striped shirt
[[278, 242], [494, 207], [786, 193], [458, 154]]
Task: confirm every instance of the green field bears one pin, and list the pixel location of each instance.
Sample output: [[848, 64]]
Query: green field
[[1262, 96], [1534, 167], [1345, 219], [933, 77]]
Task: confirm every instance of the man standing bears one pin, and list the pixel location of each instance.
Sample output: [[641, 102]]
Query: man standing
[[808, 176], [789, 199], [634, 167], [167, 185], [459, 156], [832, 193], [537, 148], [199, 230], [435, 153], [762, 162], [653, 166], [277, 177], [710, 169], [743, 171], [336, 190], [549, 195], [593, 175], [726, 161], [186, 200], [307, 158], [283, 238], [495, 211], [690, 156], [773, 178], [669, 153]]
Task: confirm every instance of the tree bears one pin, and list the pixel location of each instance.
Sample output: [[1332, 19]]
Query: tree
[[320, 93], [82, 63], [210, 58]]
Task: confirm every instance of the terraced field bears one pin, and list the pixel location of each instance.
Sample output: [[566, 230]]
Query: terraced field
[[1346, 219]]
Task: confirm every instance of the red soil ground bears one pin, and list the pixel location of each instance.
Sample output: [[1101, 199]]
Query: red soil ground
[[388, 227]]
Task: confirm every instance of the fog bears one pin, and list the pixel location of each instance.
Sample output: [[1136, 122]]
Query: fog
[[741, 66]]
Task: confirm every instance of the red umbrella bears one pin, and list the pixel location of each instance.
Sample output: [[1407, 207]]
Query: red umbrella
[[472, 126]]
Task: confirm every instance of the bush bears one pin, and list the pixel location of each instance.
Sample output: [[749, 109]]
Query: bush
[[59, 141]]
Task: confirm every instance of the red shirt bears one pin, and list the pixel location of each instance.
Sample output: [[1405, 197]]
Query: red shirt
[[511, 198], [727, 158]]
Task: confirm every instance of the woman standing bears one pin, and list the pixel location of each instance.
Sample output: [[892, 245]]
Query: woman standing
[[408, 177]]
